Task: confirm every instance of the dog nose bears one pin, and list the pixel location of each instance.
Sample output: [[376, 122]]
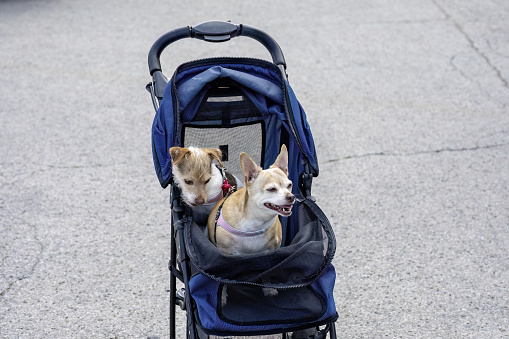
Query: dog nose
[[199, 201], [290, 198]]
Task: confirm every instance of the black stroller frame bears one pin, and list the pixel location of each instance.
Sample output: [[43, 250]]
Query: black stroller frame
[[181, 265]]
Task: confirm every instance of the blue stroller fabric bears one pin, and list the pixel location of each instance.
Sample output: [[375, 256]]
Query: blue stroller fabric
[[251, 312], [271, 95]]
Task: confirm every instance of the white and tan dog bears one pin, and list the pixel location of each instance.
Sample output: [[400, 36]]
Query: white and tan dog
[[247, 221], [199, 179], [251, 214]]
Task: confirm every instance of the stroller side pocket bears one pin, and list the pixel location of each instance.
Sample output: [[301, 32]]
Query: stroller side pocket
[[247, 309], [246, 305]]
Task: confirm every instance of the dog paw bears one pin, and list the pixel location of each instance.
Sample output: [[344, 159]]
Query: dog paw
[[269, 292]]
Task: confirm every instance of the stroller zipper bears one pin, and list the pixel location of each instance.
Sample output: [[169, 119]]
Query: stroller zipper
[[293, 125], [226, 60], [176, 111]]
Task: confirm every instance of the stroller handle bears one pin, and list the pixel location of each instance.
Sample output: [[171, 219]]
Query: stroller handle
[[214, 31]]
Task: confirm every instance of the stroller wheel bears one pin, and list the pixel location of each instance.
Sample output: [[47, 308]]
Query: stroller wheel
[[315, 333]]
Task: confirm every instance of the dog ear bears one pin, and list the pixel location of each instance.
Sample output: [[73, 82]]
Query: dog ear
[[177, 153], [282, 160], [215, 153], [249, 168]]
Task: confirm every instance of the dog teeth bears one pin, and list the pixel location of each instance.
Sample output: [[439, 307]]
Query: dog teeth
[[284, 208]]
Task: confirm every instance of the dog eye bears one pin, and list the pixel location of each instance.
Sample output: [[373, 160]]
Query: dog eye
[[290, 185], [188, 182], [207, 181], [272, 189]]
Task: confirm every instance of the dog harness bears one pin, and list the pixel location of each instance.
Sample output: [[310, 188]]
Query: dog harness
[[228, 228]]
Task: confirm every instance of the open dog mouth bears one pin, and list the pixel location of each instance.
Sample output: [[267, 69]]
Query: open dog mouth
[[285, 210]]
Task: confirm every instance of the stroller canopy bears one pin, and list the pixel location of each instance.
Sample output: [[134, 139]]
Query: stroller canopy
[[261, 82]]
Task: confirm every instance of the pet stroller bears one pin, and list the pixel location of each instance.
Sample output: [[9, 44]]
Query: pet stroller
[[242, 105]]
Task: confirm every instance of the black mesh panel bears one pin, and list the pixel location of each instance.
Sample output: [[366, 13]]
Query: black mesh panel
[[232, 141], [229, 121]]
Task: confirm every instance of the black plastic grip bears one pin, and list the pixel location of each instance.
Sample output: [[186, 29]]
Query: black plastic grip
[[154, 64], [213, 31], [266, 40]]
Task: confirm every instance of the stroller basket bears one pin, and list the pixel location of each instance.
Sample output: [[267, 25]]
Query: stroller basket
[[242, 105], [301, 269], [301, 262]]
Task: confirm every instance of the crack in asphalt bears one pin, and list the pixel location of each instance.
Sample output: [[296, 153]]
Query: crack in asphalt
[[395, 154], [476, 49], [30, 270]]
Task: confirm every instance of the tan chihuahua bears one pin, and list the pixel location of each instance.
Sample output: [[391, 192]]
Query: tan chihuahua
[[247, 221]]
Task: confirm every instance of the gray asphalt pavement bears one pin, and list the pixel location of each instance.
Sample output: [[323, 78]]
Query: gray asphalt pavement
[[408, 102]]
